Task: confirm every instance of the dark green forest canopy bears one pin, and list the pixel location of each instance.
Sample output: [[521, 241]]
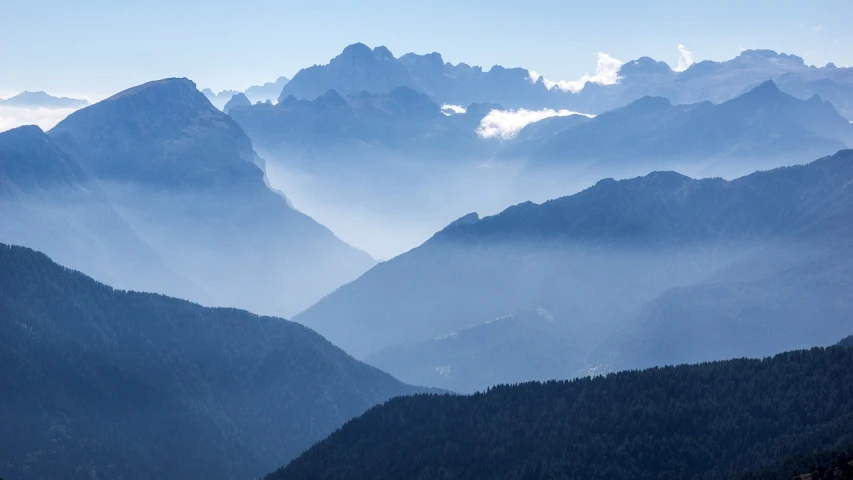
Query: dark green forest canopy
[[707, 421], [103, 383], [832, 464]]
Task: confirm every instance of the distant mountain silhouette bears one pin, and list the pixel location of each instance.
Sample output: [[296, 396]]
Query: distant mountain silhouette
[[219, 99], [42, 100], [336, 128], [357, 68], [49, 202], [761, 128], [718, 82], [238, 100], [130, 385], [615, 266], [267, 91], [186, 178], [377, 71], [712, 420]]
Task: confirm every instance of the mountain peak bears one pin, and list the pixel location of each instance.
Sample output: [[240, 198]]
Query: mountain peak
[[331, 99], [356, 50], [163, 88], [772, 55], [24, 132], [645, 66], [468, 219], [237, 100], [765, 91], [647, 104], [163, 131], [383, 53]]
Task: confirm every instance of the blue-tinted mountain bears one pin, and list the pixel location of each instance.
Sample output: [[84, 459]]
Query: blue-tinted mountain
[[376, 70], [338, 128], [718, 82], [759, 129], [267, 91], [389, 162], [534, 136], [219, 100], [846, 342], [708, 421], [49, 202], [105, 383], [238, 100], [519, 347], [185, 176], [621, 268], [357, 68], [42, 100]]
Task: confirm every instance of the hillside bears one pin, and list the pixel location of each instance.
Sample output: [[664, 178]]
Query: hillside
[[705, 421], [760, 262], [186, 177], [48, 202], [131, 385], [830, 464]]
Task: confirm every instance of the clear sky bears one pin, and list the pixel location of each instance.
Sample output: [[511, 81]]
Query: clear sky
[[97, 47]]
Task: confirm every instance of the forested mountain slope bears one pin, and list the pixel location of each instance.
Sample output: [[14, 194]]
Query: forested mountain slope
[[107, 383], [706, 421]]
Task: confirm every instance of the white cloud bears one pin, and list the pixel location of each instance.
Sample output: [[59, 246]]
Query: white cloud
[[685, 59], [448, 109], [817, 28], [46, 118], [506, 124], [606, 73]]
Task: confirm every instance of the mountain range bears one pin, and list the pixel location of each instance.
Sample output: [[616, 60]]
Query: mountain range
[[376, 70], [342, 157], [366, 163], [763, 128], [105, 383], [267, 92], [715, 269], [42, 100]]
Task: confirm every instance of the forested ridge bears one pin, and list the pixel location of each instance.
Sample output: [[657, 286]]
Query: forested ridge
[[832, 464], [104, 383], [707, 421]]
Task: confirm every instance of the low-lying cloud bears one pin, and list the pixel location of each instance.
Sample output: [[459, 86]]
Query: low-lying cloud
[[505, 124], [606, 73], [685, 59], [46, 118], [448, 109]]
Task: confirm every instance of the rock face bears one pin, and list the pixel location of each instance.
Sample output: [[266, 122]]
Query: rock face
[[186, 177], [131, 385]]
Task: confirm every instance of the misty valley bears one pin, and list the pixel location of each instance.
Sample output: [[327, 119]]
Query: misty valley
[[400, 267]]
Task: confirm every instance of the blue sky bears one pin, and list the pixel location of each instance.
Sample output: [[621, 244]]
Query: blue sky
[[98, 47]]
